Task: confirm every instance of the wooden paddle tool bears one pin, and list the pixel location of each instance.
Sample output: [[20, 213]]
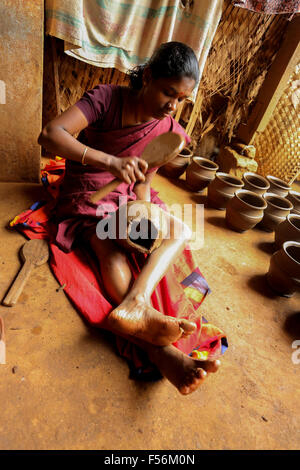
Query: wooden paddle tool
[[34, 253], [158, 152]]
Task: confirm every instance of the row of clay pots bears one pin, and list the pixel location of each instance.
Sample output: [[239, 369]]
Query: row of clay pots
[[247, 209], [244, 211], [250, 206]]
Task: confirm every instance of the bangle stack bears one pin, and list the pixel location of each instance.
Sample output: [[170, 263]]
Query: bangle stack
[[83, 156]]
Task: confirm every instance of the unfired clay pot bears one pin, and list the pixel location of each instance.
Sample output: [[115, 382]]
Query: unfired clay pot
[[277, 210], [284, 271], [244, 210], [288, 230], [294, 198], [256, 183], [177, 167], [222, 189], [140, 226], [200, 173], [278, 186]]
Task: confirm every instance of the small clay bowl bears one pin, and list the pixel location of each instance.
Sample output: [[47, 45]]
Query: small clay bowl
[[278, 186], [256, 183]]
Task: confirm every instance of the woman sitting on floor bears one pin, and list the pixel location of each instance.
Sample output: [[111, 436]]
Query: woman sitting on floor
[[115, 124]]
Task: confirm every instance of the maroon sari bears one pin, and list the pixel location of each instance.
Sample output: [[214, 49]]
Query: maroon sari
[[75, 211]]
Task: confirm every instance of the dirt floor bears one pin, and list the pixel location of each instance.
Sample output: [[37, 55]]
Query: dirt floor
[[64, 387]]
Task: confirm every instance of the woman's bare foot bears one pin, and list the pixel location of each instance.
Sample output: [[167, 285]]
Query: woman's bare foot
[[135, 317], [186, 373]]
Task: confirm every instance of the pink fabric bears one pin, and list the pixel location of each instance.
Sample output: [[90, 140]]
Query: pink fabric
[[270, 6]]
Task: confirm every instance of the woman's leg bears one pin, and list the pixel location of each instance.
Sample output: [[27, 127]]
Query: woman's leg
[[184, 372], [135, 316]]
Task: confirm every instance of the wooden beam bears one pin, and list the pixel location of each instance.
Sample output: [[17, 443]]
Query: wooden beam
[[275, 83], [56, 75]]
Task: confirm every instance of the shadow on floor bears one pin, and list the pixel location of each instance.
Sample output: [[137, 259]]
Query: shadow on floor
[[259, 284], [267, 247], [217, 221], [291, 325]]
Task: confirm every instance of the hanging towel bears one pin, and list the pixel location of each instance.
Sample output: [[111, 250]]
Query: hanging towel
[[109, 33]]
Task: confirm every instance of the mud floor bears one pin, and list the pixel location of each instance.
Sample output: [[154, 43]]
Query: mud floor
[[64, 387]]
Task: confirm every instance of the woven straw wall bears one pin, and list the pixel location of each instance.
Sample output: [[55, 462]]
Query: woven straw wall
[[242, 52], [278, 147]]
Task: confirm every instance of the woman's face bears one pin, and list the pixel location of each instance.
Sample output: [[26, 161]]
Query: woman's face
[[163, 95]]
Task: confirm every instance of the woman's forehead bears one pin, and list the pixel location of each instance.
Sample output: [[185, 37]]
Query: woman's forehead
[[180, 86]]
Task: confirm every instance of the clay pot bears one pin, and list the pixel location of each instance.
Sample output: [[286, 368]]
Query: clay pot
[[200, 173], [277, 210], [141, 226], [278, 186], [178, 165], [222, 189], [294, 198], [244, 210], [284, 271], [288, 230], [256, 183]]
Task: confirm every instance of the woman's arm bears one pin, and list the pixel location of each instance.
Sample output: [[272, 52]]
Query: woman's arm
[[57, 137], [143, 190]]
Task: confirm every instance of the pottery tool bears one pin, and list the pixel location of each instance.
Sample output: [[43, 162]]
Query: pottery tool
[[2, 342], [158, 152], [33, 253]]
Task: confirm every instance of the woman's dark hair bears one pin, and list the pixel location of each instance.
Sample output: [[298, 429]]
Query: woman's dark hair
[[171, 59]]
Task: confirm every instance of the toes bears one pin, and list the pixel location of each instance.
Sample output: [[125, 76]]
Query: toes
[[209, 366], [196, 381], [188, 326]]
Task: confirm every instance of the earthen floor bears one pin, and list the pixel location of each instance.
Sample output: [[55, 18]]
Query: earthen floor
[[64, 387]]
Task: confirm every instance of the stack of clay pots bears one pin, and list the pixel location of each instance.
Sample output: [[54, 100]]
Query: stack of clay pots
[[175, 168], [200, 173]]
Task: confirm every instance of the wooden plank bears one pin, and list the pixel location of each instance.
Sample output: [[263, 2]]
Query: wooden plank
[[21, 59], [274, 84], [56, 76]]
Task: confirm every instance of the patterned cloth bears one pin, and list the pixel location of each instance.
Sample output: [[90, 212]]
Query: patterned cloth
[[179, 293], [109, 33], [270, 6]]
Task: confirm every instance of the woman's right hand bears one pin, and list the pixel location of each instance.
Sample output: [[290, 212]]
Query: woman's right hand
[[128, 169]]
